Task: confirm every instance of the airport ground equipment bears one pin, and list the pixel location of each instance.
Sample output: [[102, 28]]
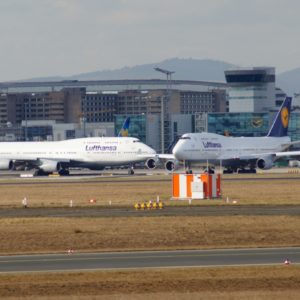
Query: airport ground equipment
[[196, 186]]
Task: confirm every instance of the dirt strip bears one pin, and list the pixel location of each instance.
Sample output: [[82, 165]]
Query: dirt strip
[[46, 235], [197, 283]]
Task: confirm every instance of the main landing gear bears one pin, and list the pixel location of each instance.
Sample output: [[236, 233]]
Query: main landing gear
[[130, 170], [209, 170], [247, 171], [187, 167], [239, 171], [64, 172]]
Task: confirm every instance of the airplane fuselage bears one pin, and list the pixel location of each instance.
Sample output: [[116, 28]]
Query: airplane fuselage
[[89, 152], [201, 147]]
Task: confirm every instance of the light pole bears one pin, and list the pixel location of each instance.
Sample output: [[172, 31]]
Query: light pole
[[163, 104], [43, 108], [84, 116], [26, 124]]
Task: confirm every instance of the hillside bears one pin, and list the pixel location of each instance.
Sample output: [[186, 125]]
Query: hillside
[[289, 81], [185, 69]]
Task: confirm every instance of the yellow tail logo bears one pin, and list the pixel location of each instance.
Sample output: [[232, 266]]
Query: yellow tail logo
[[285, 117]]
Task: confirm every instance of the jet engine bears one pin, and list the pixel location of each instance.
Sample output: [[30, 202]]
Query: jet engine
[[6, 164], [49, 166], [171, 165], [151, 163], [265, 163]]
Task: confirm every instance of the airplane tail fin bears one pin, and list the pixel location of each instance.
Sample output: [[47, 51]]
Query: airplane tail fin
[[281, 122], [124, 130]]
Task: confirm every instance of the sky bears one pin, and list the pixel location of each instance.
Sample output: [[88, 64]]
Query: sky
[[65, 37]]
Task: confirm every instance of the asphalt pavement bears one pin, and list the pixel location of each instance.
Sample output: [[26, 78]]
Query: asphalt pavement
[[148, 259], [193, 210]]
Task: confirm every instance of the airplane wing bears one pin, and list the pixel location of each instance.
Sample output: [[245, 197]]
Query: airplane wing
[[288, 153], [169, 160], [158, 156], [165, 156], [266, 154], [288, 145], [38, 159], [243, 157]]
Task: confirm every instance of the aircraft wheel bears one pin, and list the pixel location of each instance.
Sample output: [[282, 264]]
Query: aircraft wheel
[[64, 172], [130, 171], [40, 172], [209, 171]]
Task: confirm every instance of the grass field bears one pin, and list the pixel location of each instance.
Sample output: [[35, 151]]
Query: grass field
[[127, 191], [20, 235], [38, 235], [266, 282]]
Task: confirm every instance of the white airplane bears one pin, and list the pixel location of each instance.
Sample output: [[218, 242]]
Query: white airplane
[[94, 153], [243, 154]]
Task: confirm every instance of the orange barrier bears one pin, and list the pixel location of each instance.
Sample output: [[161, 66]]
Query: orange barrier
[[196, 186]]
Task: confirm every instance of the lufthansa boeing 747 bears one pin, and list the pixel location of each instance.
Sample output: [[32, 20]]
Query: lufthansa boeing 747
[[235, 154], [238, 153], [94, 153]]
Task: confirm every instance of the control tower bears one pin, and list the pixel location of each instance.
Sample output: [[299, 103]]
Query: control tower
[[251, 90]]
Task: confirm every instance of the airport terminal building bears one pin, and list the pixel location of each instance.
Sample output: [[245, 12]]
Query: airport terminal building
[[39, 111], [243, 106]]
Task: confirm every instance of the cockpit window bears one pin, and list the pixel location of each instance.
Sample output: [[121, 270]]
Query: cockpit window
[[136, 141], [185, 138]]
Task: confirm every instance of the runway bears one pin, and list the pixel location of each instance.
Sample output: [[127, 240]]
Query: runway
[[148, 259]]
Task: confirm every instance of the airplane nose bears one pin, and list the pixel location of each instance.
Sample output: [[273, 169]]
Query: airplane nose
[[150, 150], [178, 152]]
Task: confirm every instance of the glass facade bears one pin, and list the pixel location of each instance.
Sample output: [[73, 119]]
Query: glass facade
[[39, 133], [249, 124], [294, 127], [137, 126], [254, 77], [238, 124]]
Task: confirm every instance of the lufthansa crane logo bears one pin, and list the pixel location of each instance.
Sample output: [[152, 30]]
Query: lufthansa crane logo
[[285, 117], [257, 122]]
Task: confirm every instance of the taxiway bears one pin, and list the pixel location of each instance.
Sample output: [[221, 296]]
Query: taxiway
[[148, 259]]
